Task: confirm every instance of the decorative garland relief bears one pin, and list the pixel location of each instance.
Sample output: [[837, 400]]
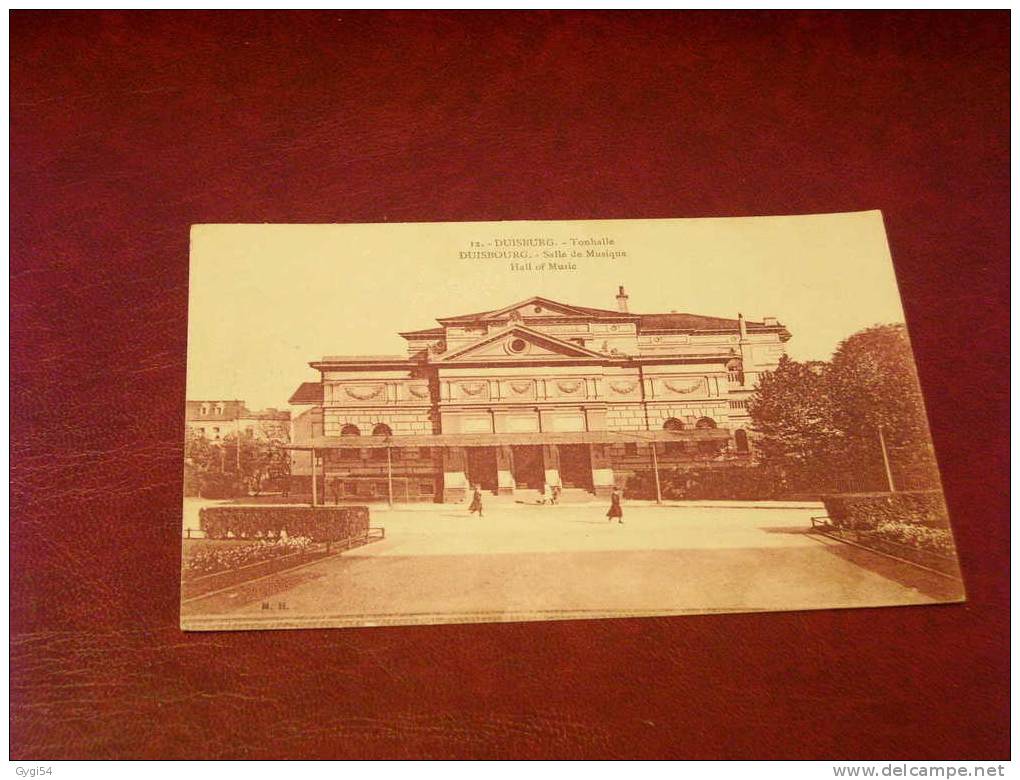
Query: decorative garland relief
[[364, 393], [472, 388], [683, 388]]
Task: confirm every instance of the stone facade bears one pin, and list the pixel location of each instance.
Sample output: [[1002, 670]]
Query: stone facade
[[510, 381]]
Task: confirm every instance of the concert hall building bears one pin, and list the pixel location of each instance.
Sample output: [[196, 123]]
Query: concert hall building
[[535, 395]]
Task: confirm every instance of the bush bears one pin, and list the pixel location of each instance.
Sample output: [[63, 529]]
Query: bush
[[868, 511], [320, 524], [733, 483]]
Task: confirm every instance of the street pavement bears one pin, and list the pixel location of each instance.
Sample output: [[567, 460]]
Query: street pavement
[[545, 562]]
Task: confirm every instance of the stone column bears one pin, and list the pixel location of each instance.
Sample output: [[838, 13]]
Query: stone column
[[454, 476], [505, 483], [551, 456], [602, 477]]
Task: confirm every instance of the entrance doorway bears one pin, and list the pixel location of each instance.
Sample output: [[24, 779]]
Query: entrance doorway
[[528, 467], [575, 466], [481, 468]]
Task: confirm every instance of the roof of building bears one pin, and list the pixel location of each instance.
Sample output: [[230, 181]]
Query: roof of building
[[266, 414], [661, 321], [584, 310], [307, 393], [678, 321], [425, 332]]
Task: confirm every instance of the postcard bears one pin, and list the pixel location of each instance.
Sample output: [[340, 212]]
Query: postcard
[[507, 421]]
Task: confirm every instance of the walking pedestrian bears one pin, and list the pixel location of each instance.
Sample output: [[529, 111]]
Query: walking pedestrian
[[615, 507], [476, 502]]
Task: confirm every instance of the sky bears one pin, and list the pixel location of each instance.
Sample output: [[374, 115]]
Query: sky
[[264, 300]]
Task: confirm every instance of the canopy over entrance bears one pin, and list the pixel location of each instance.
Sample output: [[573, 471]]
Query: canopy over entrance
[[497, 439]]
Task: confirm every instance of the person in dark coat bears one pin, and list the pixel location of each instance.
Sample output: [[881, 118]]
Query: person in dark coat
[[615, 508], [476, 502]]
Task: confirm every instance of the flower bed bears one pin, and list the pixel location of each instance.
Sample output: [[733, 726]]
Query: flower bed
[[868, 511], [922, 556], [913, 525], [218, 559], [320, 524], [919, 537]]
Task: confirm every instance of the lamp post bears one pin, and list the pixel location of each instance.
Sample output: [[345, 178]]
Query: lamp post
[[315, 479], [655, 470], [885, 460], [389, 472]]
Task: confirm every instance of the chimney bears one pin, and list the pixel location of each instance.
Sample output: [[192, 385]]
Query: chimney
[[621, 300], [742, 325]]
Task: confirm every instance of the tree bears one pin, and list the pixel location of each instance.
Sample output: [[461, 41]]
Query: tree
[[874, 386], [818, 423], [259, 459], [235, 464], [206, 461], [792, 413]]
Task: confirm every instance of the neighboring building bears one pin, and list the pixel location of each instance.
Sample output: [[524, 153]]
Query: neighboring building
[[215, 420], [305, 425], [534, 395]]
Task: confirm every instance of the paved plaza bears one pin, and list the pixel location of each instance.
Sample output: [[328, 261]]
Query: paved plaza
[[438, 563]]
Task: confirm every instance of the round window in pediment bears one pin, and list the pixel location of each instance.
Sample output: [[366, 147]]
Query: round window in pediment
[[517, 346]]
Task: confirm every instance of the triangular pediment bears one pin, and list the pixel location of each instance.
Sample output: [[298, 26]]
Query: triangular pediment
[[533, 308], [519, 342]]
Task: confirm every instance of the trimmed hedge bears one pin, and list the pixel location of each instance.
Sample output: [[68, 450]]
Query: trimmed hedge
[[723, 482], [867, 511], [320, 524]]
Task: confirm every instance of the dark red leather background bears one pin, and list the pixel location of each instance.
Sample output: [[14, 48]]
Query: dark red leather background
[[129, 127]]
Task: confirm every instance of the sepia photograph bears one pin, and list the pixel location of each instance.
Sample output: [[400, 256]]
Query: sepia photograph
[[475, 422], [394, 384]]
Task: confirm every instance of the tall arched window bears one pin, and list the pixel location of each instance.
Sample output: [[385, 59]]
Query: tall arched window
[[380, 429], [740, 439], [350, 430], [673, 447], [709, 446]]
